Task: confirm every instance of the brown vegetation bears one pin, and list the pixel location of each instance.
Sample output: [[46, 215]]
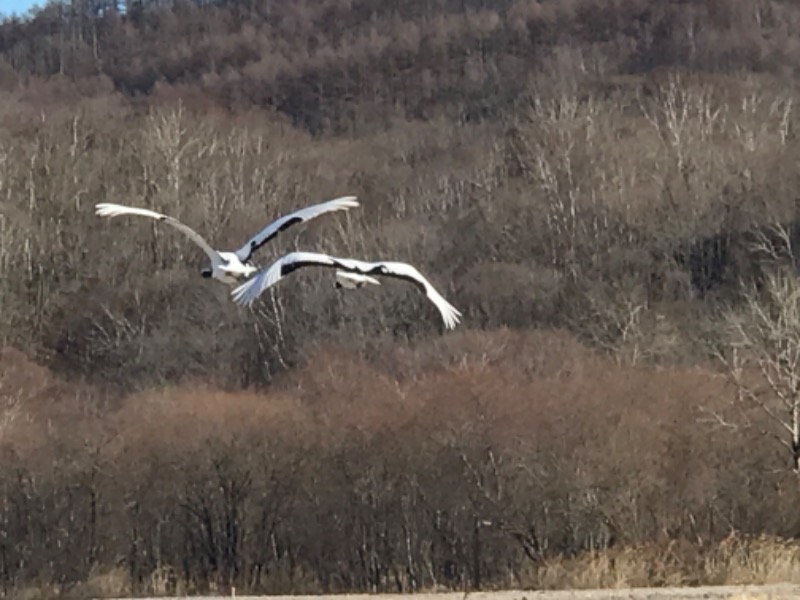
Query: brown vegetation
[[345, 477], [606, 190]]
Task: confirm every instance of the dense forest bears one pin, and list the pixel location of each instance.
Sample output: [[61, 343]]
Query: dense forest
[[608, 192]]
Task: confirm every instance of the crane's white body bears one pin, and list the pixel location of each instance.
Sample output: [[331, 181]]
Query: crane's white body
[[352, 281]]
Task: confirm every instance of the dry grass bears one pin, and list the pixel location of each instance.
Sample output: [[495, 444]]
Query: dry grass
[[771, 592], [734, 561], [679, 570]]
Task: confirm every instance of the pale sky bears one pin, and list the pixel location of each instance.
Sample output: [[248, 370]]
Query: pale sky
[[20, 7]]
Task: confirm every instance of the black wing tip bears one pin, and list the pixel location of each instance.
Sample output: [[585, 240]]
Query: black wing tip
[[290, 222]]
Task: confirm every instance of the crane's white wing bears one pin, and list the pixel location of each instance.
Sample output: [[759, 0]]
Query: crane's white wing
[[246, 293], [450, 315], [304, 214], [113, 210]]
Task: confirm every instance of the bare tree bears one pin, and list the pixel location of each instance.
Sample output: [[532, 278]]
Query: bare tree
[[763, 357]]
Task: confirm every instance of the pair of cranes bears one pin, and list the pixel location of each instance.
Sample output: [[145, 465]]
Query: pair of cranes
[[234, 267]]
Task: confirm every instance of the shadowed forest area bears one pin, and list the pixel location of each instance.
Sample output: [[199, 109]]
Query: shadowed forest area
[[606, 189]]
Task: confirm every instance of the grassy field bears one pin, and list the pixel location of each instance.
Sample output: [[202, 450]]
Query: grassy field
[[755, 592]]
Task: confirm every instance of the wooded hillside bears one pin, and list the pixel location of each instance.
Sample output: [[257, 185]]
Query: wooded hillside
[[606, 190]]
